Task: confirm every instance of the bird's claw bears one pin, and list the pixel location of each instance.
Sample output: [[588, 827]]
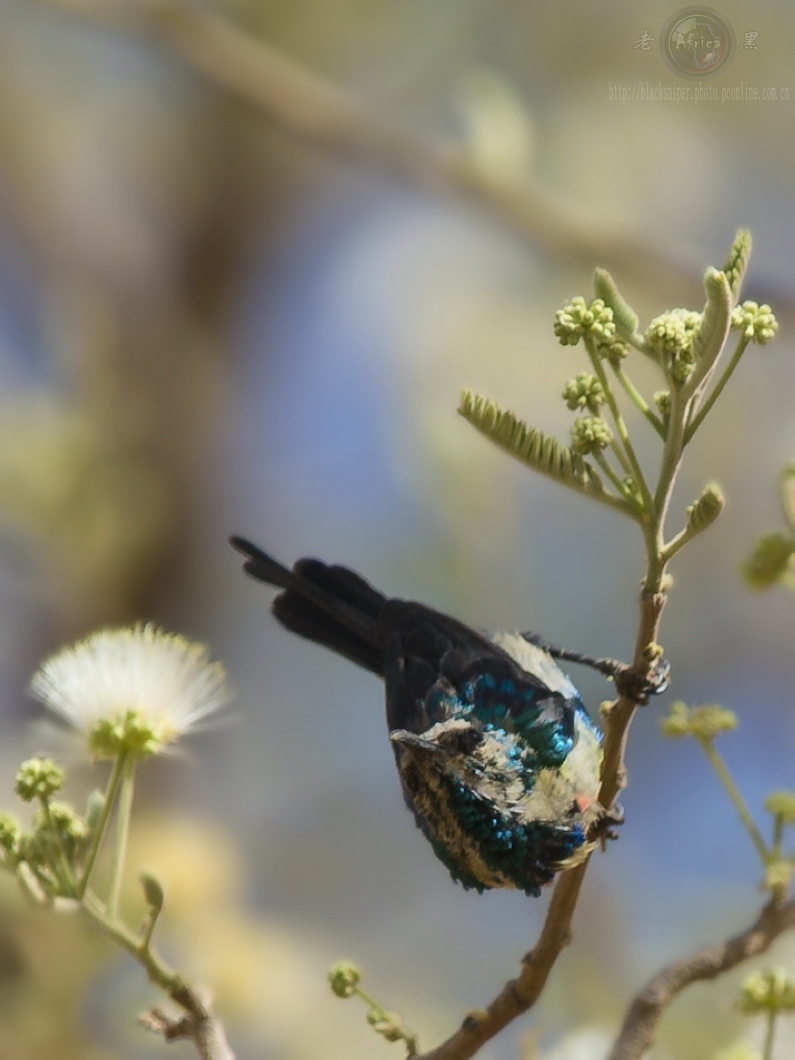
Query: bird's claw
[[605, 828], [638, 687]]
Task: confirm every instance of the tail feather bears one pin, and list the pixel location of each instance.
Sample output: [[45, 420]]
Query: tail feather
[[300, 616], [262, 566], [329, 605]]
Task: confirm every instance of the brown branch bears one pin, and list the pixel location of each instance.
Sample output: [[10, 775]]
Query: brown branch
[[324, 115], [637, 1033], [520, 994], [197, 1024]]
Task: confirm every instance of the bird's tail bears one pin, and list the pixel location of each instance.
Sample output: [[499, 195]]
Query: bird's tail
[[329, 605]]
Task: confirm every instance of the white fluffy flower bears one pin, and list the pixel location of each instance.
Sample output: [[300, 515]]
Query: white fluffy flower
[[132, 690]]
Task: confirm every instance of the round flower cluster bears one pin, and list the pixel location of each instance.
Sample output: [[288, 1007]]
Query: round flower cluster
[[343, 978], [590, 434], [670, 337], [579, 317], [132, 691], [705, 722], [756, 322], [662, 399], [769, 991], [584, 392], [38, 778]]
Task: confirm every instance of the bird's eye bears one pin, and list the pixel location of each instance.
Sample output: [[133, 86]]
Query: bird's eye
[[460, 741]]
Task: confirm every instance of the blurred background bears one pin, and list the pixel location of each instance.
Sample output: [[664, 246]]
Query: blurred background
[[209, 325]]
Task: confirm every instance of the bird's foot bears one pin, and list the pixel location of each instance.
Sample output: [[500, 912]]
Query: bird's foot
[[604, 829], [639, 687]]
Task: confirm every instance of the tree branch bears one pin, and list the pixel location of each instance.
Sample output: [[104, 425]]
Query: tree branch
[[326, 116], [637, 1033], [197, 1025], [520, 994]]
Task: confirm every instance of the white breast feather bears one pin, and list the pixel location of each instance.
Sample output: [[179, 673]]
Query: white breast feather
[[535, 661]]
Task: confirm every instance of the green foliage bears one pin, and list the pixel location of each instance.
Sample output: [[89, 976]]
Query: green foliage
[[38, 778], [344, 979], [703, 512], [529, 445], [736, 263], [769, 991], [781, 804], [584, 392], [624, 316], [756, 322], [703, 722], [590, 435]]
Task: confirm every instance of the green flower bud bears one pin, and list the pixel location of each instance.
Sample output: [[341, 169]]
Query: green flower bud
[[756, 322], [682, 365], [768, 991], [33, 848], [343, 978], [584, 392], [67, 822], [578, 318], [704, 511], [38, 778], [670, 338], [737, 261], [704, 722], [9, 834], [387, 1024], [769, 560], [662, 399], [153, 891], [778, 875], [590, 434], [130, 733], [612, 348], [781, 804], [667, 334]]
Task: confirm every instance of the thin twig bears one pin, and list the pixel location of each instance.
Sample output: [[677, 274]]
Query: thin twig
[[637, 1033], [199, 1024]]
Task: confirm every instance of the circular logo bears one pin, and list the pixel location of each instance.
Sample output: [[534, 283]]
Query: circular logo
[[697, 43]]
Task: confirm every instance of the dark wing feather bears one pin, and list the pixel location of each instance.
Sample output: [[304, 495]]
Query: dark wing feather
[[435, 664], [329, 605]]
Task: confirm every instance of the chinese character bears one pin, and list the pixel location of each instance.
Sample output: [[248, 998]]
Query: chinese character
[[645, 41], [750, 42]]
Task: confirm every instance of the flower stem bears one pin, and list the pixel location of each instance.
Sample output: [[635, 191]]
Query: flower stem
[[698, 419], [63, 868], [102, 824], [767, 1053], [778, 835], [633, 466], [638, 399], [157, 970], [122, 833], [736, 797], [601, 460]]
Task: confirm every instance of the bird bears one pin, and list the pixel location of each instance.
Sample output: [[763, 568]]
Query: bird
[[498, 758]]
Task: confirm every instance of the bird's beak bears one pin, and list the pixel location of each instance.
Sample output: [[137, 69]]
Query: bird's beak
[[412, 742]]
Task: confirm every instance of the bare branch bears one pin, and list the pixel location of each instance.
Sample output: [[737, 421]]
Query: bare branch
[[637, 1034], [326, 116], [197, 1024]]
